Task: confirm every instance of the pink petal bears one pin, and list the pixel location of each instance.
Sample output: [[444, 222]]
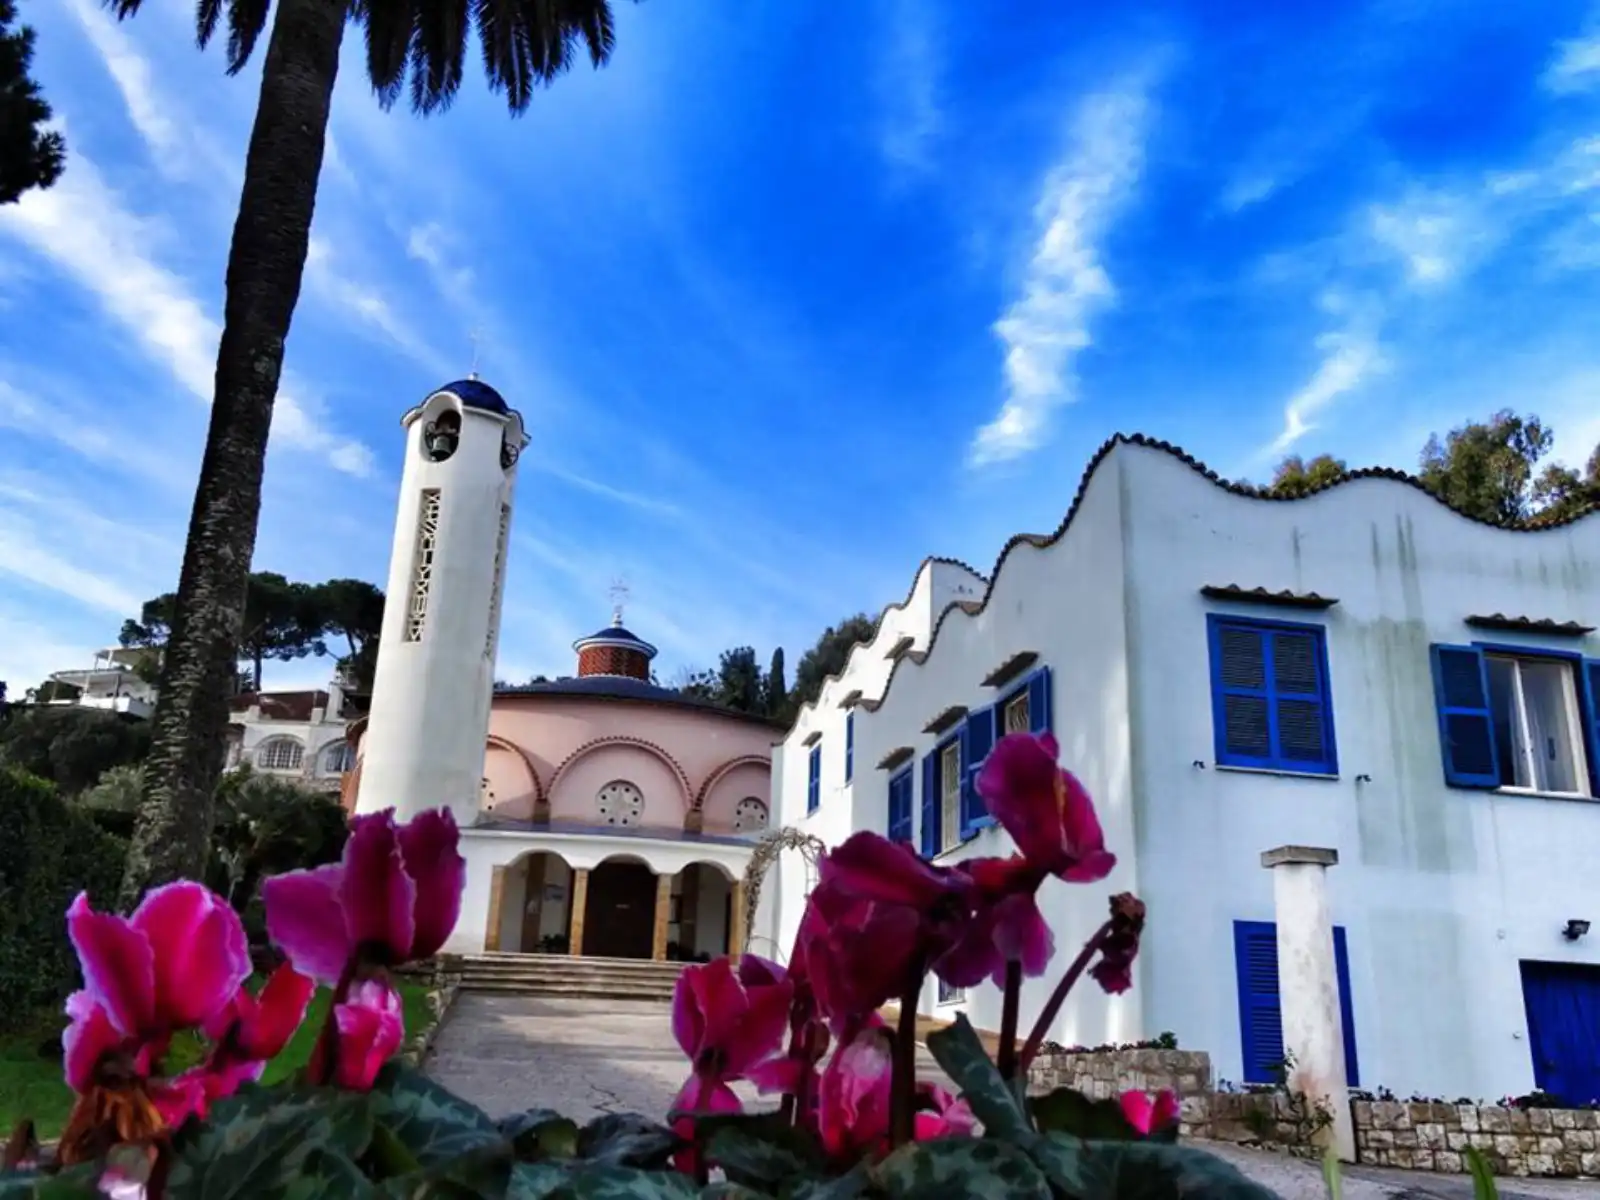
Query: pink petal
[[1021, 934], [688, 1022], [201, 956], [180, 1098], [1166, 1109], [428, 848], [118, 966], [305, 920], [1137, 1110], [976, 956], [701, 1096], [874, 868], [370, 1031], [760, 1032], [275, 1014], [782, 1074], [379, 898], [1080, 830], [722, 1003], [755, 971], [86, 1040]]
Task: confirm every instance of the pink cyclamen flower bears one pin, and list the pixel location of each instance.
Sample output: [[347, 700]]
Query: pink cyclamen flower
[[939, 1114], [1114, 971], [394, 898], [260, 1026], [854, 1097], [173, 965], [1147, 1114], [726, 1029], [371, 1025], [1044, 808]]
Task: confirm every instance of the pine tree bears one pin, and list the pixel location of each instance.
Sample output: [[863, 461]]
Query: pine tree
[[777, 690]]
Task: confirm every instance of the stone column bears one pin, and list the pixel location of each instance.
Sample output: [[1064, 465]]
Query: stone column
[[579, 901], [497, 899], [1308, 986], [736, 932], [658, 944]]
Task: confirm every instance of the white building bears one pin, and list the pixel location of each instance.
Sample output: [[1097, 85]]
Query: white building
[[113, 683], [1362, 670], [298, 735]]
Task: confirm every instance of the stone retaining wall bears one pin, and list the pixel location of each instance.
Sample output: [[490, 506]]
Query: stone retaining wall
[[1100, 1074], [1430, 1137]]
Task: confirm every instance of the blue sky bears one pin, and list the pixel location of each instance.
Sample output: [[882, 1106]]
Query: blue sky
[[794, 294]]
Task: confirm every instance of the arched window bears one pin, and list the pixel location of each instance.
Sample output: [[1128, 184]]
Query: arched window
[[749, 815], [338, 758], [280, 754]]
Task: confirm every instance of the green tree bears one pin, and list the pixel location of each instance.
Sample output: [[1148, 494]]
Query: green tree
[[777, 691], [828, 657], [52, 691], [29, 156], [1486, 468], [1295, 476], [739, 683], [71, 746], [265, 826], [352, 611], [525, 45]]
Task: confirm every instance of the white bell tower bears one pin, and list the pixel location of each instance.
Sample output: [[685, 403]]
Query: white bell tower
[[429, 719]]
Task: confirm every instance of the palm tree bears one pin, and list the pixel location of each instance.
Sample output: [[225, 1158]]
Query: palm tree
[[525, 43]]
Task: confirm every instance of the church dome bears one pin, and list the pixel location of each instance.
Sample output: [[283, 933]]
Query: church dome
[[614, 650], [474, 393]]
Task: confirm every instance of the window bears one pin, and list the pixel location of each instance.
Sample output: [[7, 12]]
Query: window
[[498, 583], [1255, 949], [620, 803], [949, 994], [1270, 701], [422, 564], [900, 806], [1517, 720], [1016, 713], [949, 795], [849, 745], [1027, 708], [749, 815], [280, 754], [338, 758], [814, 780]]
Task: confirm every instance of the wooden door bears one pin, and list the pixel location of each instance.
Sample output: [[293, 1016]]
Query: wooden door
[[619, 920]]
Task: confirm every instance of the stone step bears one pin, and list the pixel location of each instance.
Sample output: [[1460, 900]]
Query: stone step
[[564, 975]]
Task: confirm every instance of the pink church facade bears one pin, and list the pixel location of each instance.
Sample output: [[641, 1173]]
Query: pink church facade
[[616, 818]]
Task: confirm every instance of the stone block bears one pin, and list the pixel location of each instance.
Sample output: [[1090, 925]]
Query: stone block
[[1550, 1144], [1467, 1114], [1563, 1118], [1539, 1121], [1448, 1160], [1361, 1114], [1589, 1163], [1540, 1164], [1381, 1138], [1567, 1163], [1430, 1135], [1407, 1138], [1494, 1120], [1457, 1139], [1518, 1121], [1507, 1144], [1482, 1141], [1581, 1139]]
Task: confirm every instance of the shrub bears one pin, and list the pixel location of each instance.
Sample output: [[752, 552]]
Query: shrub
[[48, 854]]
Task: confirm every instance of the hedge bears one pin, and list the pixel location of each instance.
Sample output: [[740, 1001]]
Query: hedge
[[49, 852]]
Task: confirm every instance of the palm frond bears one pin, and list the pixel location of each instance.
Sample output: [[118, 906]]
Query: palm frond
[[438, 45], [206, 13], [246, 20], [389, 25]]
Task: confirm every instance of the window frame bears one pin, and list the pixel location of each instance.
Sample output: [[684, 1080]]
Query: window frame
[[948, 994], [1275, 762], [814, 779], [949, 832], [905, 782], [849, 745], [1579, 713], [259, 754]]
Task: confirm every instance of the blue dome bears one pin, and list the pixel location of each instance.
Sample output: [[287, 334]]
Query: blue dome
[[474, 393]]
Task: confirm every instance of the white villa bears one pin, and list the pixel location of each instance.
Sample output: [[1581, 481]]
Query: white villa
[[1363, 672], [113, 683]]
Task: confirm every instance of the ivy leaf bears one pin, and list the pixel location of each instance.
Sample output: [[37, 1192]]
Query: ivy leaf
[[958, 1050], [535, 1181], [245, 1149], [626, 1183], [434, 1124], [1151, 1171], [1068, 1111], [978, 1168], [627, 1139]]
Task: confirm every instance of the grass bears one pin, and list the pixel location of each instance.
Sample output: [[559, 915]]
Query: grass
[[31, 1083]]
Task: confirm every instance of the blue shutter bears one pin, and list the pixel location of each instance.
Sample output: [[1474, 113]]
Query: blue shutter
[[1260, 1012], [1255, 952], [849, 746], [1302, 718], [930, 805], [1466, 724], [1347, 1012], [1041, 702], [1591, 700], [1241, 695], [814, 780], [900, 807], [977, 739]]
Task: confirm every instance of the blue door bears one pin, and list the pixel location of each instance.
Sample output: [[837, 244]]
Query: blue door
[[1563, 1002], [1255, 950]]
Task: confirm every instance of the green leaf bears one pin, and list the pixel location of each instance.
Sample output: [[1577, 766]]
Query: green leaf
[[483, 1172], [958, 1050], [388, 1155], [540, 1133], [330, 1176], [982, 1169], [1332, 1177], [727, 1190], [627, 1139], [760, 1148], [626, 1183], [513, 1126], [349, 1117], [1067, 1111], [1060, 1157], [841, 1187], [535, 1181], [1151, 1171], [247, 1147], [434, 1124], [1483, 1185]]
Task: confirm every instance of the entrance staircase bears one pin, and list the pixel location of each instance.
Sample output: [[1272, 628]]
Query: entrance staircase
[[565, 975]]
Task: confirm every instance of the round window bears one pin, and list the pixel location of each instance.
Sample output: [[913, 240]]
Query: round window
[[620, 803], [748, 815]]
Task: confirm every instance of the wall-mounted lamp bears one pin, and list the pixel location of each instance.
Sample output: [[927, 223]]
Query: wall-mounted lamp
[[1575, 929], [1199, 764], [1363, 778]]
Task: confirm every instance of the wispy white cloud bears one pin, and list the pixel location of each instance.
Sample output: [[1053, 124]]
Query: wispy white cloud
[[1349, 357], [1247, 189], [1066, 283], [1575, 66], [81, 226], [908, 83], [1436, 234]]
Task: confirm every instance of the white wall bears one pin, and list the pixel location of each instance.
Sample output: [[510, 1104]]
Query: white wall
[[1442, 890]]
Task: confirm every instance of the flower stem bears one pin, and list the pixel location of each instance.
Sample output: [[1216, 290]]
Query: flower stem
[[1052, 1008], [1009, 1006], [325, 1054], [903, 1080]]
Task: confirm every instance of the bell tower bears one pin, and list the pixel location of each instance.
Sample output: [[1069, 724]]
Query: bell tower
[[435, 671]]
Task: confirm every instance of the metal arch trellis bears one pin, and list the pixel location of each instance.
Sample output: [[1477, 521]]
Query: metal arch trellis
[[766, 853]]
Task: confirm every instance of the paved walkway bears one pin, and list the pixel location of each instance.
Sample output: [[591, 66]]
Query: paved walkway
[[587, 1057]]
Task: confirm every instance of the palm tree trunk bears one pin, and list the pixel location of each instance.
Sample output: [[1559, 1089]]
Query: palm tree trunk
[[265, 264]]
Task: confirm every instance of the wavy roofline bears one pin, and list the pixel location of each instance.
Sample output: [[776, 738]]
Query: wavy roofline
[[1246, 490]]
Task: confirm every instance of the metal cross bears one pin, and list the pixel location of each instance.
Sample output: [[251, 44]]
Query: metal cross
[[619, 598], [476, 337]]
